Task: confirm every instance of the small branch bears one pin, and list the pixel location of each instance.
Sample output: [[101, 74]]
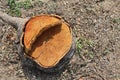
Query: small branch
[[15, 21]]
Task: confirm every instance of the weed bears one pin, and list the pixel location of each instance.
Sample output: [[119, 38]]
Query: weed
[[85, 46], [11, 4], [14, 7], [79, 46], [90, 43], [26, 4], [14, 10], [116, 20]]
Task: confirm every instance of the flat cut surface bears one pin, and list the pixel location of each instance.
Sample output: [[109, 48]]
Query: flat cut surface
[[52, 45], [36, 26]]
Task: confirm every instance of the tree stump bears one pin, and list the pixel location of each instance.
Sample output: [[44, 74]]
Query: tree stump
[[45, 43]]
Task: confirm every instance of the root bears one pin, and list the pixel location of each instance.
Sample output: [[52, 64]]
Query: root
[[16, 22]]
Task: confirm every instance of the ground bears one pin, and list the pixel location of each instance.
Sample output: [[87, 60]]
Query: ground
[[96, 28]]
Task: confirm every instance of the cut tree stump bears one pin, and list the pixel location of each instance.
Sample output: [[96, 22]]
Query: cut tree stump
[[45, 43]]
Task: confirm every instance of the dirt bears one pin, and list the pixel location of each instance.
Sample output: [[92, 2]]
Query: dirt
[[95, 22]]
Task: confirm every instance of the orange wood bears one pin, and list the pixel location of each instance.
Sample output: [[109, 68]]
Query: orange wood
[[51, 45], [36, 26]]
